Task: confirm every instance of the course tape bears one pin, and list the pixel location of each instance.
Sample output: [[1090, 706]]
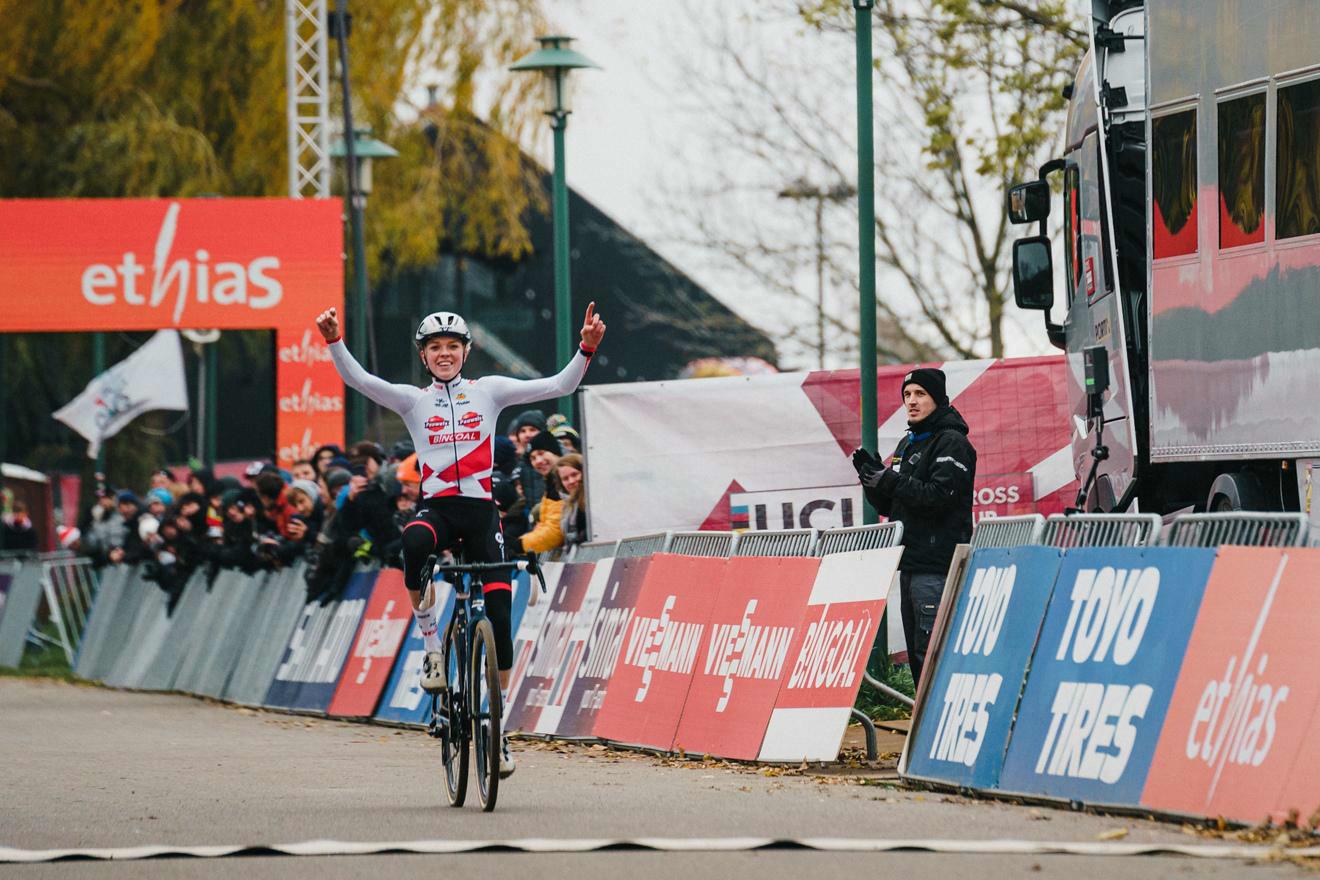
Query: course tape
[[662, 844]]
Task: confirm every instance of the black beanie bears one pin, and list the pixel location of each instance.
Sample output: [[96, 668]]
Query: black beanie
[[932, 380], [532, 418], [546, 442]]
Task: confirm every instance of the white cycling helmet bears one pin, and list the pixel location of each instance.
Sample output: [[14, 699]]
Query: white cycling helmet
[[442, 324]]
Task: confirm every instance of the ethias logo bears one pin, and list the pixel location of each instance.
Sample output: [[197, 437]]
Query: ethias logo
[[1236, 717], [223, 282]]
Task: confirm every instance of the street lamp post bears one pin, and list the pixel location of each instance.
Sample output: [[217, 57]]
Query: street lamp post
[[358, 152], [803, 191], [866, 233], [556, 62], [340, 28], [879, 660]]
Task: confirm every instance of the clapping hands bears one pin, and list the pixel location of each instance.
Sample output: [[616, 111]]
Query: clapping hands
[[869, 468]]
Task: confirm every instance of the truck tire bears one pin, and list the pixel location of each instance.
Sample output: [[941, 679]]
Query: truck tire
[[1236, 491]]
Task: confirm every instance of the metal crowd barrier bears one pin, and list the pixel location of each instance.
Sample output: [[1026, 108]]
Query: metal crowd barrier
[[1102, 530], [70, 585], [593, 551], [789, 542], [1239, 529], [1008, 531], [872, 537], [703, 543], [644, 545]]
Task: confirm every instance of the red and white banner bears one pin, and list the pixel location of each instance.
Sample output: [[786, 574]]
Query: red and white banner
[[771, 452], [381, 634], [646, 696], [755, 622], [820, 681]]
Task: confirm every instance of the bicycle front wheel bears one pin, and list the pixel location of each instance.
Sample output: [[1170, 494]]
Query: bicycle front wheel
[[487, 711], [450, 704]]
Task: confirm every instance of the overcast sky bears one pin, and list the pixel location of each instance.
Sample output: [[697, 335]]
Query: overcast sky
[[633, 130]]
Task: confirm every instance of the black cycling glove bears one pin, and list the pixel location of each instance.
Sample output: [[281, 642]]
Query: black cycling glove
[[868, 467]]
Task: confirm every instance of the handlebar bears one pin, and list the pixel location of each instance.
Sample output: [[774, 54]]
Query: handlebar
[[526, 563]]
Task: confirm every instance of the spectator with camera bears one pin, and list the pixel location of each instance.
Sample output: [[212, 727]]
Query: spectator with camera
[[236, 546]]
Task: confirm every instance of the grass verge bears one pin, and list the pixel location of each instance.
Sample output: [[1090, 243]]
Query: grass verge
[[44, 661]]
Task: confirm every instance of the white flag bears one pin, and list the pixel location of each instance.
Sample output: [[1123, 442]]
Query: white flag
[[150, 378]]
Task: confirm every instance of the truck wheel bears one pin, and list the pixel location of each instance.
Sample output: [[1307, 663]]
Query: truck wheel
[[1236, 491]]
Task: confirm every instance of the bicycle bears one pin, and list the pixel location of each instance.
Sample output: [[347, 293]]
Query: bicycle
[[469, 709]]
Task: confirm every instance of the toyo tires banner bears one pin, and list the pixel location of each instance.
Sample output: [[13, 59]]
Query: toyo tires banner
[[663, 455], [961, 732]]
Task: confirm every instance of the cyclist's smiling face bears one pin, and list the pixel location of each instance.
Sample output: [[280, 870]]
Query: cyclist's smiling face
[[443, 356]]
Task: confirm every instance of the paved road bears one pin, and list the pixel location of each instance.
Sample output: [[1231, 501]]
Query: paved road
[[83, 766]]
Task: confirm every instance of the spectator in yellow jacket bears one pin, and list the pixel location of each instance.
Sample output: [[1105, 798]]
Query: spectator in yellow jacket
[[548, 534]]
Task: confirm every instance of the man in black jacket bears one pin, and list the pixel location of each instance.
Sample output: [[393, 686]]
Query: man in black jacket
[[927, 487]]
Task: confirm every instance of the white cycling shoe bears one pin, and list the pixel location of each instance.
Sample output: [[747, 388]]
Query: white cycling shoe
[[433, 672], [506, 759]]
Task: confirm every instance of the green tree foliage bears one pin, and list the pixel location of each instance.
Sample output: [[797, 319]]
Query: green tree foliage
[[178, 98]]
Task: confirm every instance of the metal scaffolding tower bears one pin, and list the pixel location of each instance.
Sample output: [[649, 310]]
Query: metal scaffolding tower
[[307, 59]]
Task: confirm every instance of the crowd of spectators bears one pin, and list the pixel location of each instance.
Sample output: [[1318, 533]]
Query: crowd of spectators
[[334, 509], [540, 493]]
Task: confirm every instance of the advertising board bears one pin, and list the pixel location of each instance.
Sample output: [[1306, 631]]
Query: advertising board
[[645, 699], [960, 732], [818, 688], [1238, 739], [1103, 672], [146, 264]]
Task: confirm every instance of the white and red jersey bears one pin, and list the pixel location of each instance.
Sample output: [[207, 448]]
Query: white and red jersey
[[453, 423]]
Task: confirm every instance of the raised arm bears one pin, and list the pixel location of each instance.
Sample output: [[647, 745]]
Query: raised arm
[[505, 391], [400, 398]]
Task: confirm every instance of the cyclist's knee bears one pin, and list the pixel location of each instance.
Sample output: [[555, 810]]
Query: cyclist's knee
[[419, 543]]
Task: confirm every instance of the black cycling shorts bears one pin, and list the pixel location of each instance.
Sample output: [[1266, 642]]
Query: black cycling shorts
[[471, 527], [468, 526]]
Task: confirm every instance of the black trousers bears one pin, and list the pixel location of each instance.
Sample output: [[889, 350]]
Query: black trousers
[[470, 526], [919, 599]]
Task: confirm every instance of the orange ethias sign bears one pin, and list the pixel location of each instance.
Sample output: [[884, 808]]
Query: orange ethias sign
[[145, 264]]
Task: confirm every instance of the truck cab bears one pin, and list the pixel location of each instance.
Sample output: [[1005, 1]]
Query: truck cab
[[1189, 188]]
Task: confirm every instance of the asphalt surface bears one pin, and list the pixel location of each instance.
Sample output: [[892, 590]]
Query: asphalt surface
[[88, 767]]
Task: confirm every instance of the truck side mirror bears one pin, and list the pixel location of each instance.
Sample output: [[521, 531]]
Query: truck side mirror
[[1029, 202], [1033, 273]]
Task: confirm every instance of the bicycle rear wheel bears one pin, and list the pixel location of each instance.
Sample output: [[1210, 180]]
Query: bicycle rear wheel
[[454, 725], [487, 712]]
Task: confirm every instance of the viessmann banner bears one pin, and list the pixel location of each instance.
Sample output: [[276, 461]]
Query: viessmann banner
[[148, 264]]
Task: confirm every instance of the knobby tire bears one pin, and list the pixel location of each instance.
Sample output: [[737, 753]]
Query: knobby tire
[[487, 719], [453, 743]]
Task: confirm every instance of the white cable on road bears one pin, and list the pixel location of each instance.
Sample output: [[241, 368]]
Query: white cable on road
[[663, 844]]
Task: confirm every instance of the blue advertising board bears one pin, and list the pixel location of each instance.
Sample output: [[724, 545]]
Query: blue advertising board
[[1104, 671], [404, 701], [962, 729], [309, 671]]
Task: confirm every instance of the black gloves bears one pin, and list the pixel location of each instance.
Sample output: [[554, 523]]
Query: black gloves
[[869, 468]]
